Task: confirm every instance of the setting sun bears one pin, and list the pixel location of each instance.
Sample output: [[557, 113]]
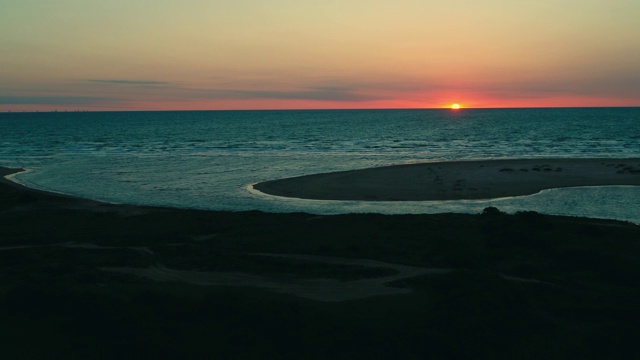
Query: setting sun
[[455, 106]]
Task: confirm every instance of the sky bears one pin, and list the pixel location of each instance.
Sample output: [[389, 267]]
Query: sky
[[303, 54]]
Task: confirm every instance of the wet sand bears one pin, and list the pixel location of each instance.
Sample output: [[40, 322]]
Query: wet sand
[[481, 179]]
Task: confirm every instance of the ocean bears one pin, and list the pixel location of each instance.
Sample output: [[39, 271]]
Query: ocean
[[207, 159]]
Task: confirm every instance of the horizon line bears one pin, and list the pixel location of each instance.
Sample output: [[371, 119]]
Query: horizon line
[[321, 109]]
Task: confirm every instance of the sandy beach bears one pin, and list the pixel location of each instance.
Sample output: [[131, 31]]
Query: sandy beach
[[481, 179]]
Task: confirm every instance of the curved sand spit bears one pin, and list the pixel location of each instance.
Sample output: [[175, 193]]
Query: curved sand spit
[[481, 179]]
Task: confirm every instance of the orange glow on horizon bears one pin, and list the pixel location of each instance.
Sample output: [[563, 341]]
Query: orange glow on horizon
[[413, 101]]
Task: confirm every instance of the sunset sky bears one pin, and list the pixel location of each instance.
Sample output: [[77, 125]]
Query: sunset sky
[[302, 54]]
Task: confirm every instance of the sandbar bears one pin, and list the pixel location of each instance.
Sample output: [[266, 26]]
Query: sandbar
[[457, 180]]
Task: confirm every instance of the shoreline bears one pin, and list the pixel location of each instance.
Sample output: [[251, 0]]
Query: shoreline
[[431, 181], [7, 173], [457, 180], [34, 197]]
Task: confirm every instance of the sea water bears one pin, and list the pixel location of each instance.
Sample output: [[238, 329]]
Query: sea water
[[207, 159]]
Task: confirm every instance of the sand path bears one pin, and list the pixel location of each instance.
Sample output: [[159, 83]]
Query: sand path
[[327, 290], [330, 290]]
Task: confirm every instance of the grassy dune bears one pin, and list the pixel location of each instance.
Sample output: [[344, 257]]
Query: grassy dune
[[521, 286]]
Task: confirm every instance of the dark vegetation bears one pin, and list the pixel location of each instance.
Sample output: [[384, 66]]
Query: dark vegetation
[[525, 286]]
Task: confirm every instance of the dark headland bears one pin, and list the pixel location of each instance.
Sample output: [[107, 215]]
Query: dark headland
[[83, 279]]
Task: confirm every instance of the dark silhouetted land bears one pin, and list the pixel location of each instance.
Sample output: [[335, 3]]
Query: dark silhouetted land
[[83, 279]]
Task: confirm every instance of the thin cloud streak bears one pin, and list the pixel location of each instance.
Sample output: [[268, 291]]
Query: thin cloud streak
[[337, 94], [598, 86], [128, 82], [56, 100], [422, 91]]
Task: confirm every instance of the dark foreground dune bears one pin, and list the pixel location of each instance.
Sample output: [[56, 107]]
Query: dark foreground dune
[[482, 179], [83, 279]]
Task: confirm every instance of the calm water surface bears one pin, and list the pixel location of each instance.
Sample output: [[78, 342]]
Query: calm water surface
[[206, 159]]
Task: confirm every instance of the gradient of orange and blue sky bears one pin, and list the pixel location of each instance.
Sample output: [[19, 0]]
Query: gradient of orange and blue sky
[[292, 54]]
